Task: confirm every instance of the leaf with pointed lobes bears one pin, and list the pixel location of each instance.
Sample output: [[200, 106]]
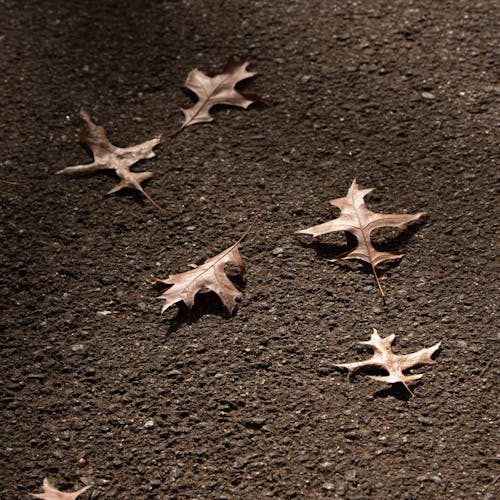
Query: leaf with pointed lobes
[[383, 358], [209, 275], [52, 493], [109, 157], [219, 89], [357, 219]]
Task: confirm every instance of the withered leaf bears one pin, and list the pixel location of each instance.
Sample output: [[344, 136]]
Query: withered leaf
[[209, 275], [110, 157], [52, 493], [383, 358], [219, 89], [357, 219]]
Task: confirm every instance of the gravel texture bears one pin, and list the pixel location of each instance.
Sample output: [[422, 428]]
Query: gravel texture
[[97, 388]]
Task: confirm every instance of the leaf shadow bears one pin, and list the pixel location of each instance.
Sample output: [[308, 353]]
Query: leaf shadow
[[397, 240], [257, 105], [205, 303], [136, 195], [398, 391], [216, 109]]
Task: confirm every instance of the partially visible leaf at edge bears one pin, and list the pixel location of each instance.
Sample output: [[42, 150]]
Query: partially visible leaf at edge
[[52, 493]]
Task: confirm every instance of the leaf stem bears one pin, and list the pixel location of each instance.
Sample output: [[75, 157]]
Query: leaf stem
[[249, 228], [408, 389], [171, 135], [14, 183], [378, 283], [160, 209]]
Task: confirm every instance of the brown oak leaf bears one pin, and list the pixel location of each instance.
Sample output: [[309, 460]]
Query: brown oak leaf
[[218, 89], [383, 358], [209, 275], [110, 157], [52, 493], [357, 219]]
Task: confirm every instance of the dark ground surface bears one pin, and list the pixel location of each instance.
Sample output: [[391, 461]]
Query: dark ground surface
[[249, 405]]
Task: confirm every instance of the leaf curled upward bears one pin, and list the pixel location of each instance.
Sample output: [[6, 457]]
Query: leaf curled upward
[[357, 219], [210, 275], [52, 493], [383, 358], [110, 157], [218, 89]]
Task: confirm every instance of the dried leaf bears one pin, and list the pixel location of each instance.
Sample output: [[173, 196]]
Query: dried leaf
[[109, 157], [52, 493], [394, 364], [209, 275], [214, 90], [357, 219]]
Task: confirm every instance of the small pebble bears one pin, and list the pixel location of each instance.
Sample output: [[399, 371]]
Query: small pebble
[[175, 472], [255, 423], [350, 475], [326, 465], [425, 420], [149, 424], [428, 95], [240, 462]]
